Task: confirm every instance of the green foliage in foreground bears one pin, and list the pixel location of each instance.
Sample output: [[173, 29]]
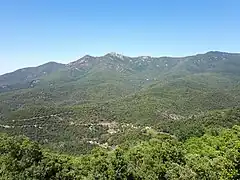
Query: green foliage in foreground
[[212, 156]]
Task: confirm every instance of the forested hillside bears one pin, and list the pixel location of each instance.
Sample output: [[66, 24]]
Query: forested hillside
[[120, 117], [212, 156]]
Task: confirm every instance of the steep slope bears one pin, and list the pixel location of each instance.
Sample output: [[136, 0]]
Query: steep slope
[[144, 68], [27, 77], [180, 97], [214, 61], [96, 93], [94, 79], [97, 79]]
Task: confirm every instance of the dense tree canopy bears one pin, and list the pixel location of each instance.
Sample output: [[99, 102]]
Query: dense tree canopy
[[211, 156]]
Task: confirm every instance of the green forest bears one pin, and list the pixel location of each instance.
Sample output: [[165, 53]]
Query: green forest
[[202, 148], [214, 155], [118, 117]]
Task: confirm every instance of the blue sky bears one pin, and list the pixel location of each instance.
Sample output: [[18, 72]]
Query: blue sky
[[33, 32]]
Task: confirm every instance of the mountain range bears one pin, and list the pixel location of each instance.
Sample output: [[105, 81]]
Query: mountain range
[[137, 91], [95, 79], [145, 67]]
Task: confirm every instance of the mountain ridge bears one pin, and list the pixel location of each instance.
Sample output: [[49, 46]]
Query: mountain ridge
[[115, 54], [116, 74], [116, 89]]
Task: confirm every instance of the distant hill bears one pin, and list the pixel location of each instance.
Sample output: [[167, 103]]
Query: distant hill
[[27, 77]]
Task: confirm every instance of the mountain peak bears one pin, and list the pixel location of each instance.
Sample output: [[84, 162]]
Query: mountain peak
[[86, 57], [114, 54], [82, 62], [216, 52], [51, 63], [145, 57]]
